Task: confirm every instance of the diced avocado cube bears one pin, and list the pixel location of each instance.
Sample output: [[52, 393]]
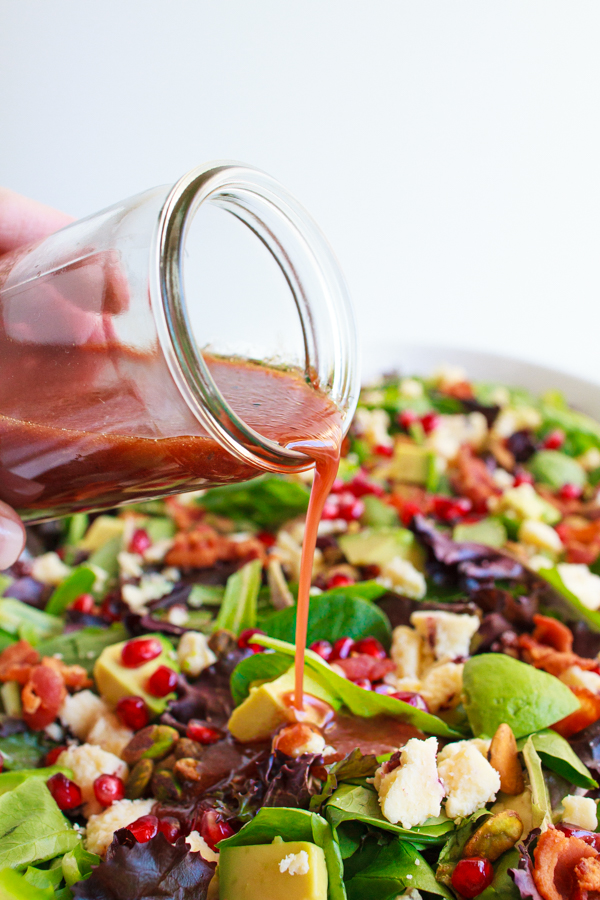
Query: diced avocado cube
[[490, 532], [283, 870], [556, 469], [115, 681], [102, 530], [523, 502], [378, 513], [411, 463], [268, 705], [377, 546]]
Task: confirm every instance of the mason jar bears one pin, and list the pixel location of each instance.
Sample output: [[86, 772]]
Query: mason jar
[[193, 335]]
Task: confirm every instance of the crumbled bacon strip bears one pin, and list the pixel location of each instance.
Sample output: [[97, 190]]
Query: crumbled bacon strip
[[556, 859], [16, 662], [471, 478], [581, 539], [42, 697], [587, 714], [553, 661], [204, 547], [553, 633], [73, 676], [587, 875]]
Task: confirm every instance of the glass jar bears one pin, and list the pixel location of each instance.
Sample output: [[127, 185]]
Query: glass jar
[[124, 375]]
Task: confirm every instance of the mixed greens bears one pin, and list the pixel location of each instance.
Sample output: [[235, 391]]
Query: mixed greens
[[452, 741]]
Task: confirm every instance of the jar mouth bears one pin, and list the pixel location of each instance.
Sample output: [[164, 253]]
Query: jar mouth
[[314, 278]]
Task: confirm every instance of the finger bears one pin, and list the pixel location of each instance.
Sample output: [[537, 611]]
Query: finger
[[12, 536], [23, 221]]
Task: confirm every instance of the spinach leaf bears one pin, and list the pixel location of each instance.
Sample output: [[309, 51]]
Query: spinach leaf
[[105, 557], [32, 828], [26, 621], [452, 850], [331, 617], [84, 646], [503, 887], [238, 610], [590, 616], [267, 502], [361, 702], [256, 668], [24, 750], [355, 803], [354, 765], [557, 754], [294, 825], [393, 870], [80, 581]]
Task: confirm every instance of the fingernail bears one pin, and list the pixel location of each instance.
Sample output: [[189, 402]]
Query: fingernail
[[12, 541]]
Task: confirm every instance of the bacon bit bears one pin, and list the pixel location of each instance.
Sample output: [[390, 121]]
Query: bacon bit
[[203, 547], [364, 666], [589, 510], [587, 873], [556, 860], [553, 633], [73, 676], [462, 390], [16, 662], [184, 515], [42, 697], [553, 661], [581, 539], [587, 714], [410, 500], [503, 456], [471, 478]]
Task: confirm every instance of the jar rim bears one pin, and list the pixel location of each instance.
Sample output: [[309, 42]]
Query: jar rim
[[228, 183]]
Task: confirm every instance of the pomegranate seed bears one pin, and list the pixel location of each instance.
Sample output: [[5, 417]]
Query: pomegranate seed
[[84, 604], [200, 733], [363, 683], [65, 792], [170, 827], [213, 829], [140, 541], [450, 508], [371, 647], [266, 538], [472, 876], [338, 486], [554, 440], [384, 450], [52, 755], [523, 477], [570, 492], [323, 648], [409, 510], [245, 640], [133, 713], [412, 699], [339, 580], [162, 682], [430, 422], [108, 789], [330, 509], [136, 653], [360, 485], [350, 507], [144, 828], [110, 609], [407, 418], [341, 649]]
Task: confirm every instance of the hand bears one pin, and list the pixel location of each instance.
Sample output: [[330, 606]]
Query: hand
[[22, 221]]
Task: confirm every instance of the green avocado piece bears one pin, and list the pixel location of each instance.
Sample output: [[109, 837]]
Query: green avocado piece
[[115, 681], [377, 513], [498, 688], [267, 706], [520, 503], [255, 872], [411, 463], [490, 532], [555, 469], [377, 546]]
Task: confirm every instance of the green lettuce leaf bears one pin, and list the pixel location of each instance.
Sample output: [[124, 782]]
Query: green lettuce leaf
[[294, 825], [267, 502], [27, 622], [331, 617], [32, 827], [393, 870], [557, 754], [83, 647], [80, 581], [540, 798], [590, 616], [238, 610]]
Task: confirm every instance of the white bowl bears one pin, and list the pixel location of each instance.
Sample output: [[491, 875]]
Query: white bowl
[[411, 359]]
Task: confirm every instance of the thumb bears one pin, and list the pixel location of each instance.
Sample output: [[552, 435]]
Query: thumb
[[12, 536]]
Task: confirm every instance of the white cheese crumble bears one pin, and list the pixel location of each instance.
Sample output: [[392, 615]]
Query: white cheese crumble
[[447, 634], [178, 615], [49, 569], [197, 844], [411, 388], [151, 587], [516, 419], [109, 733], [193, 653], [441, 686], [411, 793], [130, 564], [400, 575], [373, 425], [580, 811], [80, 711], [469, 780], [406, 651], [538, 534], [101, 827], [87, 763], [576, 677], [295, 863], [578, 579]]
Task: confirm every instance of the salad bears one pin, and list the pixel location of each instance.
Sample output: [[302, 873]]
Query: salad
[[450, 741]]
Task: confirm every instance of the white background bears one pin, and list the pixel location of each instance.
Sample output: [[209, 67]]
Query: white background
[[449, 150]]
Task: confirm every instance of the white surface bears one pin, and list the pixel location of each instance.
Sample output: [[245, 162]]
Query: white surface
[[450, 151]]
